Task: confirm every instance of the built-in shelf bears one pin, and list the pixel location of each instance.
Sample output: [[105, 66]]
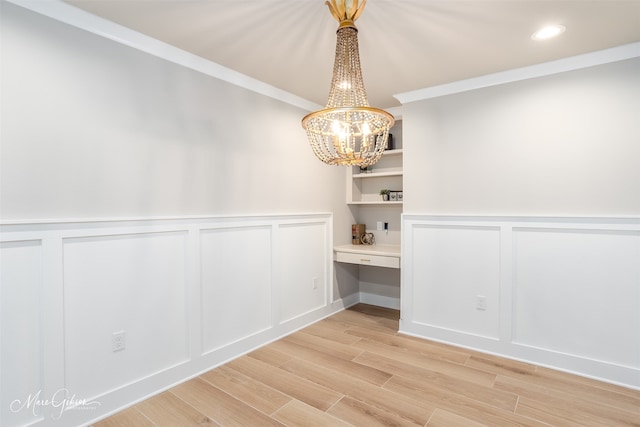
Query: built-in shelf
[[363, 188], [380, 203], [392, 152], [376, 174]]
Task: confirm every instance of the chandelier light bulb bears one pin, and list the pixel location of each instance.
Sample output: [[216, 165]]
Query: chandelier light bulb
[[365, 130], [336, 128]]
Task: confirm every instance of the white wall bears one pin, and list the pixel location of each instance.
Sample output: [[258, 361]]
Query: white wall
[[564, 144], [95, 129]]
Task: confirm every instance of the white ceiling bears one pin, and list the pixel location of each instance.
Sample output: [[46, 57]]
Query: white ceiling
[[405, 45]]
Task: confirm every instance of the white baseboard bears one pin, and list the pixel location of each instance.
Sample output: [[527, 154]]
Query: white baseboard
[[345, 302]]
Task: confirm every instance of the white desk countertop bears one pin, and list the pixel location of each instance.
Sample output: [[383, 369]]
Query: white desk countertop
[[380, 250]]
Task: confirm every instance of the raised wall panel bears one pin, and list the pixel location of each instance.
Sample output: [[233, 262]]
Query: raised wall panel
[[302, 258], [21, 364], [453, 266], [236, 281], [133, 283], [578, 292]]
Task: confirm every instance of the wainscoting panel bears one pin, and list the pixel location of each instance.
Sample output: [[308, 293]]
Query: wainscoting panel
[[132, 283], [188, 293], [21, 367], [560, 292], [303, 271], [576, 292], [236, 267], [449, 294]]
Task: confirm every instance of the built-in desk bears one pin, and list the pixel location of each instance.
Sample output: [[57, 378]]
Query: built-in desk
[[377, 255]]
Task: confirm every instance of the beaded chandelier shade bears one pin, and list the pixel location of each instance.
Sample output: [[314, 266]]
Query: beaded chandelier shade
[[348, 131]]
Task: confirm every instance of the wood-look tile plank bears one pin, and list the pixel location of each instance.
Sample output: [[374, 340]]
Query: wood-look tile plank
[[416, 411], [246, 389], [376, 311], [356, 370], [552, 410], [469, 352], [457, 404], [499, 365], [442, 418], [332, 331], [561, 404], [360, 414], [269, 355], [220, 406], [357, 319], [322, 345], [168, 410], [126, 418], [586, 388], [541, 414], [297, 413], [570, 380], [442, 384], [423, 347], [299, 388], [455, 370]]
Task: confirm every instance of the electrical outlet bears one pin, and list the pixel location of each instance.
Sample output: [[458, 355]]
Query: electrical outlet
[[118, 342], [315, 283], [481, 302], [379, 226]]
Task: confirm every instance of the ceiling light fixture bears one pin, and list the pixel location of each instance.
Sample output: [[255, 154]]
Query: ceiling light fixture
[[548, 32], [347, 131]]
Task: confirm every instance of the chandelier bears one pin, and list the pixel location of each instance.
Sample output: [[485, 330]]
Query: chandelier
[[347, 131]]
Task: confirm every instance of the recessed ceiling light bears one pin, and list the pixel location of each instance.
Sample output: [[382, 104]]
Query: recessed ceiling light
[[548, 32]]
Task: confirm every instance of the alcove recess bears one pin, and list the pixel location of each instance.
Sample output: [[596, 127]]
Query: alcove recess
[[363, 191]]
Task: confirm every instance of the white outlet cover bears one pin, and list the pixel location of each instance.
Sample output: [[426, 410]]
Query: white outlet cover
[[118, 341]]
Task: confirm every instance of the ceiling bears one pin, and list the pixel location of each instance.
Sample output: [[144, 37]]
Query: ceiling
[[405, 45]]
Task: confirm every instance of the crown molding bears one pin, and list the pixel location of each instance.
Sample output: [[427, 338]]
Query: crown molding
[[71, 15], [586, 60]]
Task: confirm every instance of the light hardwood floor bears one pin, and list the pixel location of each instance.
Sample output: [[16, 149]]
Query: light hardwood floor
[[354, 369]]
